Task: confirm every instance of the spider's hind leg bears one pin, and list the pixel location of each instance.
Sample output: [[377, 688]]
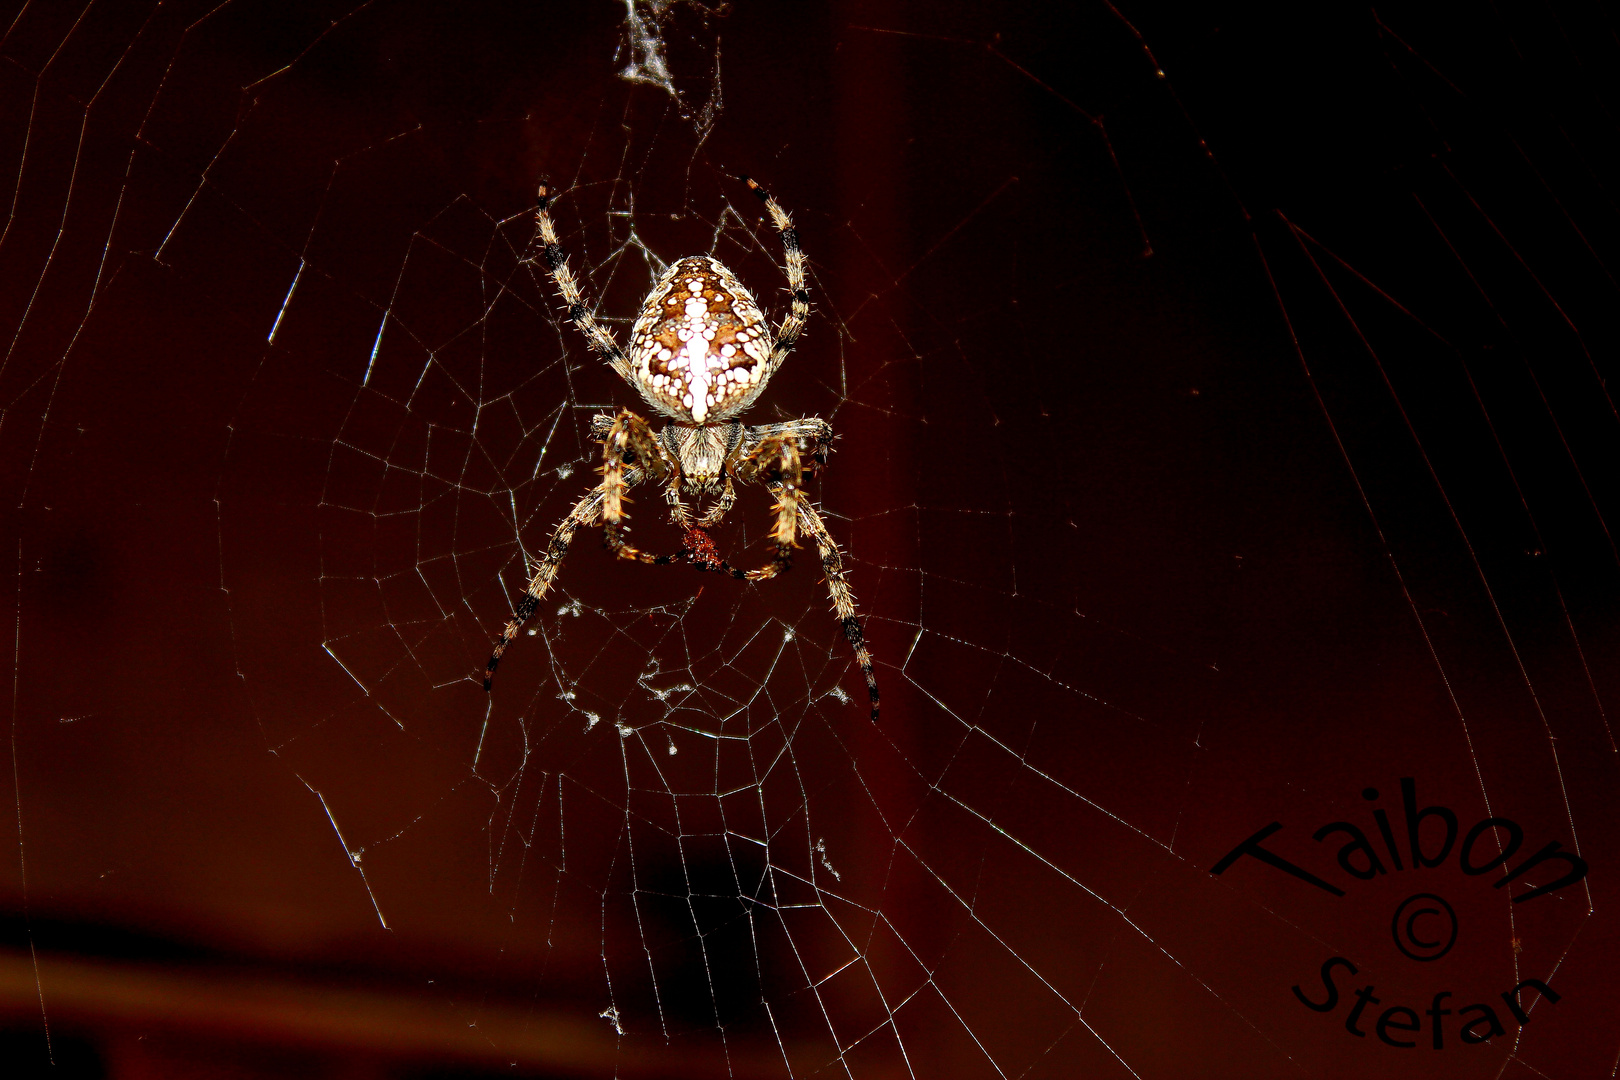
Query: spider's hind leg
[[787, 334], [556, 263]]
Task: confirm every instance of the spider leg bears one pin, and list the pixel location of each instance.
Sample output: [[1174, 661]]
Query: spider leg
[[722, 506], [602, 427], [787, 335], [775, 461], [696, 547], [789, 492], [843, 597], [813, 433], [563, 278], [588, 511], [775, 455], [677, 508], [629, 440]]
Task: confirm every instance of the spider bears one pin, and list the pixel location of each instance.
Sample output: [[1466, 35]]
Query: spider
[[701, 352]]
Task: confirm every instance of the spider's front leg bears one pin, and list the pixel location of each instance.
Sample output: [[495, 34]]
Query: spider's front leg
[[630, 442], [782, 456], [843, 597], [775, 462], [588, 511]]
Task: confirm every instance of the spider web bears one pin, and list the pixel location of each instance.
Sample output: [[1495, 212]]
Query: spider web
[[1179, 495]]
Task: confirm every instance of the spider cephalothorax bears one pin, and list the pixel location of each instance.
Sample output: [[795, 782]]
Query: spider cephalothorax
[[701, 352]]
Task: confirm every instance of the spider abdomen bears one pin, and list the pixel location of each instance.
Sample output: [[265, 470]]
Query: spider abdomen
[[699, 350]]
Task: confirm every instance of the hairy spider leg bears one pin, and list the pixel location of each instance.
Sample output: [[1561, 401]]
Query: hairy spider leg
[[812, 433], [602, 424], [775, 462], [630, 439], [722, 506], [588, 511], [787, 335], [563, 278], [843, 597]]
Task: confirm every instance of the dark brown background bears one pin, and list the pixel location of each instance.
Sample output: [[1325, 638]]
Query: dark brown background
[[1214, 446]]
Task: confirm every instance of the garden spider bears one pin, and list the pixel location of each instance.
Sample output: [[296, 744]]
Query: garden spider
[[701, 352]]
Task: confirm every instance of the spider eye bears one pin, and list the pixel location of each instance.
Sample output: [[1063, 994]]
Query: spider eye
[[628, 457]]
